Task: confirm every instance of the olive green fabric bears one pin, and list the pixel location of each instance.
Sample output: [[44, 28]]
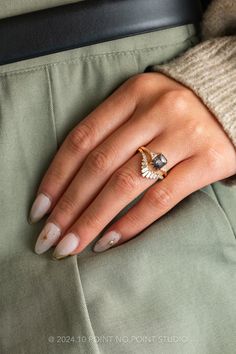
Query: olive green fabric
[[10, 8], [170, 290]]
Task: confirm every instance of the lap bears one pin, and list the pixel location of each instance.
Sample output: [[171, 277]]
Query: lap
[[170, 288]]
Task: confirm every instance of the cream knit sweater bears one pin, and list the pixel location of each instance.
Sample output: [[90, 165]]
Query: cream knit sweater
[[209, 68]]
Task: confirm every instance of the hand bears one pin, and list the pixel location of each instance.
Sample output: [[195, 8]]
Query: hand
[[96, 172]]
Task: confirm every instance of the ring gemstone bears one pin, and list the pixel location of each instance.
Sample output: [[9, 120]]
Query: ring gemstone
[[159, 161]]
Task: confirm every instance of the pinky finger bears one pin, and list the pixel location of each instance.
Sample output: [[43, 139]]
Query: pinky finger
[[181, 181]]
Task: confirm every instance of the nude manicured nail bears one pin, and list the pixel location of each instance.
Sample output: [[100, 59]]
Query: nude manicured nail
[[39, 208], [47, 238], [107, 241], [66, 246]]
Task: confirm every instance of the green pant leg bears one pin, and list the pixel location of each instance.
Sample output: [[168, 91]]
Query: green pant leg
[[168, 290]]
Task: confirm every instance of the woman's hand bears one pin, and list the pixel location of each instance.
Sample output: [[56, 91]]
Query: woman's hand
[[97, 172]]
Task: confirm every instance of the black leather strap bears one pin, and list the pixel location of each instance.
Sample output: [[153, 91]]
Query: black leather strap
[[89, 22]]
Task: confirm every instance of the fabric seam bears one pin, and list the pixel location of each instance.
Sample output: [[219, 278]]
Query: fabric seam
[[51, 104], [218, 200], [96, 347], [221, 207], [92, 57]]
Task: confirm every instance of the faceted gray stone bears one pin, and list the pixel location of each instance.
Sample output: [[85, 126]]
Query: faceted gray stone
[[159, 161]]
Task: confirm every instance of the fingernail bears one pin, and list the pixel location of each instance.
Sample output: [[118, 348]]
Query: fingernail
[[66, 246], [39, 208], [47, 238], [107, 241]]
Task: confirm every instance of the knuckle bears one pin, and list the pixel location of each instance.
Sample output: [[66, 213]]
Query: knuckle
[[159, 198], [194, 129], [81, 138], [92, 222], [54, 176], [65, 206], [132, 219], [136, 80], [141, 82], [177, 101], [125, 181], [98, 161]]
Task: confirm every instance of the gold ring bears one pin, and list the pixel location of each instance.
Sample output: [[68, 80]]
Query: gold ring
[[152, 163]]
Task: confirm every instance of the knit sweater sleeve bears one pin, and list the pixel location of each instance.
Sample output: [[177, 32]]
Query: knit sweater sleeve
[[209, 68]]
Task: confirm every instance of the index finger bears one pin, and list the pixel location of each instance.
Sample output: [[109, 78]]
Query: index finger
[[99, 124]]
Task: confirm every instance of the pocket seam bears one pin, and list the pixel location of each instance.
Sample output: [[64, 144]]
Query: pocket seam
[[51, 104], [91, 57], [217, 201]]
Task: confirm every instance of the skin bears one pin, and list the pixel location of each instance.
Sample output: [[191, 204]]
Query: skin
[[96, 171]]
